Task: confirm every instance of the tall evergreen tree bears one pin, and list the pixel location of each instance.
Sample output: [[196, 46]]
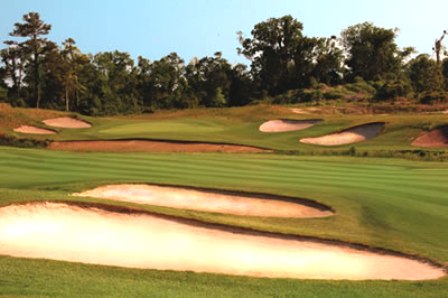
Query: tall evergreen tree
[[33, 28]]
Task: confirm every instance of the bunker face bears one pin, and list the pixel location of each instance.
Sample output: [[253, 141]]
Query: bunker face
[[66, 122], [437, 138], [150, 146], [62, 232], [287, 125], [34, 130], [349, 136], [205, 201]]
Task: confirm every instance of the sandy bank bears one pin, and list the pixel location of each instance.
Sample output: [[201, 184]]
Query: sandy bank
[[62, 232], [67, 122], [34, 130], [287, 125], [351, 135], [208, 201]]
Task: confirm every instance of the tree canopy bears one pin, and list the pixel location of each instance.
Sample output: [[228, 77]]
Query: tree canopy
[[37, 72]]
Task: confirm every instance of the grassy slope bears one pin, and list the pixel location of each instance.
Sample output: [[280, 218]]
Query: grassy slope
[[388, 203], [236, 125]]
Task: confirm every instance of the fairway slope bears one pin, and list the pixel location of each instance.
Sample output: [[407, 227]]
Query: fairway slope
[[210, 201], [34, 130], [437, 138], [151, 146], [351, 135], [67, 122], [284, 125], [138, 240]]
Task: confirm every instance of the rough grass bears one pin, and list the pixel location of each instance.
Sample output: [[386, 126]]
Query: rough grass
[[388, 203]]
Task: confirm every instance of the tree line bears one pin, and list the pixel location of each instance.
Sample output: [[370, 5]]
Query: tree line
[[37, 72]]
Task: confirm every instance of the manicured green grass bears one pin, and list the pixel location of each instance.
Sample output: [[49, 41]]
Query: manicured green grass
[[388, 203], [240, 126]]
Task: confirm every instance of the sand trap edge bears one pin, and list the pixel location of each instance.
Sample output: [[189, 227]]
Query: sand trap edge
[[308, 123], [349, 129], [70, 118], [44, 131], [233, 229], [258, 195]]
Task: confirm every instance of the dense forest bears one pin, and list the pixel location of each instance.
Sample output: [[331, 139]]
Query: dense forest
[[285, 67]]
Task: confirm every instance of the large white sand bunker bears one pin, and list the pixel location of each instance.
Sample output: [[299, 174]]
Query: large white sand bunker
[[237, 204], [33, 130], [67, 122], [349, 136], [287, 125], [62, 232]]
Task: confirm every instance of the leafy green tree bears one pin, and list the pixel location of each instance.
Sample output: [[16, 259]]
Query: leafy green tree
[[371, 51], [241, 86], [445, 72], [118, 82], [143, 76], [328, 61], [281, 56], [52, 72], [73, 60], [33, 28], [89, 97], [3, 87], [168, 82], [14, 58], [425, 74], [210, 79]]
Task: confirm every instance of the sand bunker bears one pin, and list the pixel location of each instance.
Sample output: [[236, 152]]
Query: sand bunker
[[67, 122], [349, 136], [89, 235], [437, 138], [150, 146], [287, 125], [299, 111], [209, 201], [34, 130]]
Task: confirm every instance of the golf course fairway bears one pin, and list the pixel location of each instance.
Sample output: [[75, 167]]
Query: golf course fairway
[[380, 205]]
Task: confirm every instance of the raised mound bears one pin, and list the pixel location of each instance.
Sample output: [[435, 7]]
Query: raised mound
[[348, 136], [67, 122], [92, 235], [150, 146], [437, 138], [34, 130], [287, 125], [210, 201]]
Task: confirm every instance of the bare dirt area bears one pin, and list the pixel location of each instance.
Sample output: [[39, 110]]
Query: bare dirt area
[[150, 146], [33, 130], [90, 235], [284, 125], [349, 136], [437, 138], [67, 122], [208, 201]]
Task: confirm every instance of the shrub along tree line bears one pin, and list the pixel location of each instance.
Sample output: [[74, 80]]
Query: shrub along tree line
[[285, 65]]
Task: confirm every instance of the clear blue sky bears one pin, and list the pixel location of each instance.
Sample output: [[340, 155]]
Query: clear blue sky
[[154, 28]]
